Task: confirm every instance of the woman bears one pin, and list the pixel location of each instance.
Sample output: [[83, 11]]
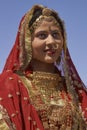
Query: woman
[[40, 88]]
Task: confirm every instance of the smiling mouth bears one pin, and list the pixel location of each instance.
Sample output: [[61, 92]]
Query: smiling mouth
[[50, 51]]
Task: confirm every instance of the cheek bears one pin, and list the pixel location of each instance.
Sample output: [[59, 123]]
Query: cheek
[[59, 50], [36, 49]]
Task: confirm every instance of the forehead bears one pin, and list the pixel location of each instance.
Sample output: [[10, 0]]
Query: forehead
[[45, 25]]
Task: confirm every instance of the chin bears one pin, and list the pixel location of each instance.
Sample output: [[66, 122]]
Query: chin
[[49, 61]]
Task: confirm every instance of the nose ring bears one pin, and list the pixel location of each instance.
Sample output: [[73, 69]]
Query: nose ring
[[55, 46]]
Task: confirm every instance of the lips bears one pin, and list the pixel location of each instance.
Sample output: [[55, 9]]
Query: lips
[[50, 51]]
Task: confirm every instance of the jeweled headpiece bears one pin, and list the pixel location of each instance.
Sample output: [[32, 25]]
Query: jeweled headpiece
[[47, 16]]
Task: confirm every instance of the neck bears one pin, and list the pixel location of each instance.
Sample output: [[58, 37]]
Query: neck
[[41, 66]]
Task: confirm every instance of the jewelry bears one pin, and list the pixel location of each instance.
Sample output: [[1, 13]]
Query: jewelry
[[55, 46], [53, 103]]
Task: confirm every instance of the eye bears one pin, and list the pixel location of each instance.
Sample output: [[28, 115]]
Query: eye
[[41, 35], [56, 34]]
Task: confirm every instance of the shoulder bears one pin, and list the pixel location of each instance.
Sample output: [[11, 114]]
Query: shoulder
[[6, 74], [8, 81]]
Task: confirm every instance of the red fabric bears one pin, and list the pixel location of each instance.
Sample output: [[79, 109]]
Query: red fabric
[[16, 104], [81, 90]]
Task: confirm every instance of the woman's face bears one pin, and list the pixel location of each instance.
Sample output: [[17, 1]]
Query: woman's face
[[47, 42]]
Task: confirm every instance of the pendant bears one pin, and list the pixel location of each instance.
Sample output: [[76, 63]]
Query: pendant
[[59, 103]]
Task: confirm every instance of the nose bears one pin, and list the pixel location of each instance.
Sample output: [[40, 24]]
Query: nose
[[50, 40]]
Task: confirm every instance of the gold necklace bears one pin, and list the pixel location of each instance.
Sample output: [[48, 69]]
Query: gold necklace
[[51, 102], [46, 87]]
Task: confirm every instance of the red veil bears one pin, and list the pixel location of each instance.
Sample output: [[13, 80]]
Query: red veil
[[13, 94]]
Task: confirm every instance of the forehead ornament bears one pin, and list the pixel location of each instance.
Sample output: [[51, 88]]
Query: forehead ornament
[[47, 16]]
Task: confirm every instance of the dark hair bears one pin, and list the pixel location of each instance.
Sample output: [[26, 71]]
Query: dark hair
[[38, 11], [36, 14]]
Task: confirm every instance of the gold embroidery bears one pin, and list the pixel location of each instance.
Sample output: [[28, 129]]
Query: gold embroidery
[[55, 108], [5, 123]]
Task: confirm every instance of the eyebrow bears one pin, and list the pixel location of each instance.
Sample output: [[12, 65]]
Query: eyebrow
[[42, 31], [55, 30]]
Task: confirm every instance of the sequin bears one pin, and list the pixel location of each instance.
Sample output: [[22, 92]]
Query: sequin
[[1, 99], [34, 122], [25, 98], [29, 118], [10, 78], [18, 93], [10, 95], [13, 114]]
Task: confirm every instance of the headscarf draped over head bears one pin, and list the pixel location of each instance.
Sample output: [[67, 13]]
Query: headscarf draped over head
[[21, 53]]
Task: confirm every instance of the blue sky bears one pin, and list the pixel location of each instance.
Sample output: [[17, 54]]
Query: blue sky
[[73, 12]]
